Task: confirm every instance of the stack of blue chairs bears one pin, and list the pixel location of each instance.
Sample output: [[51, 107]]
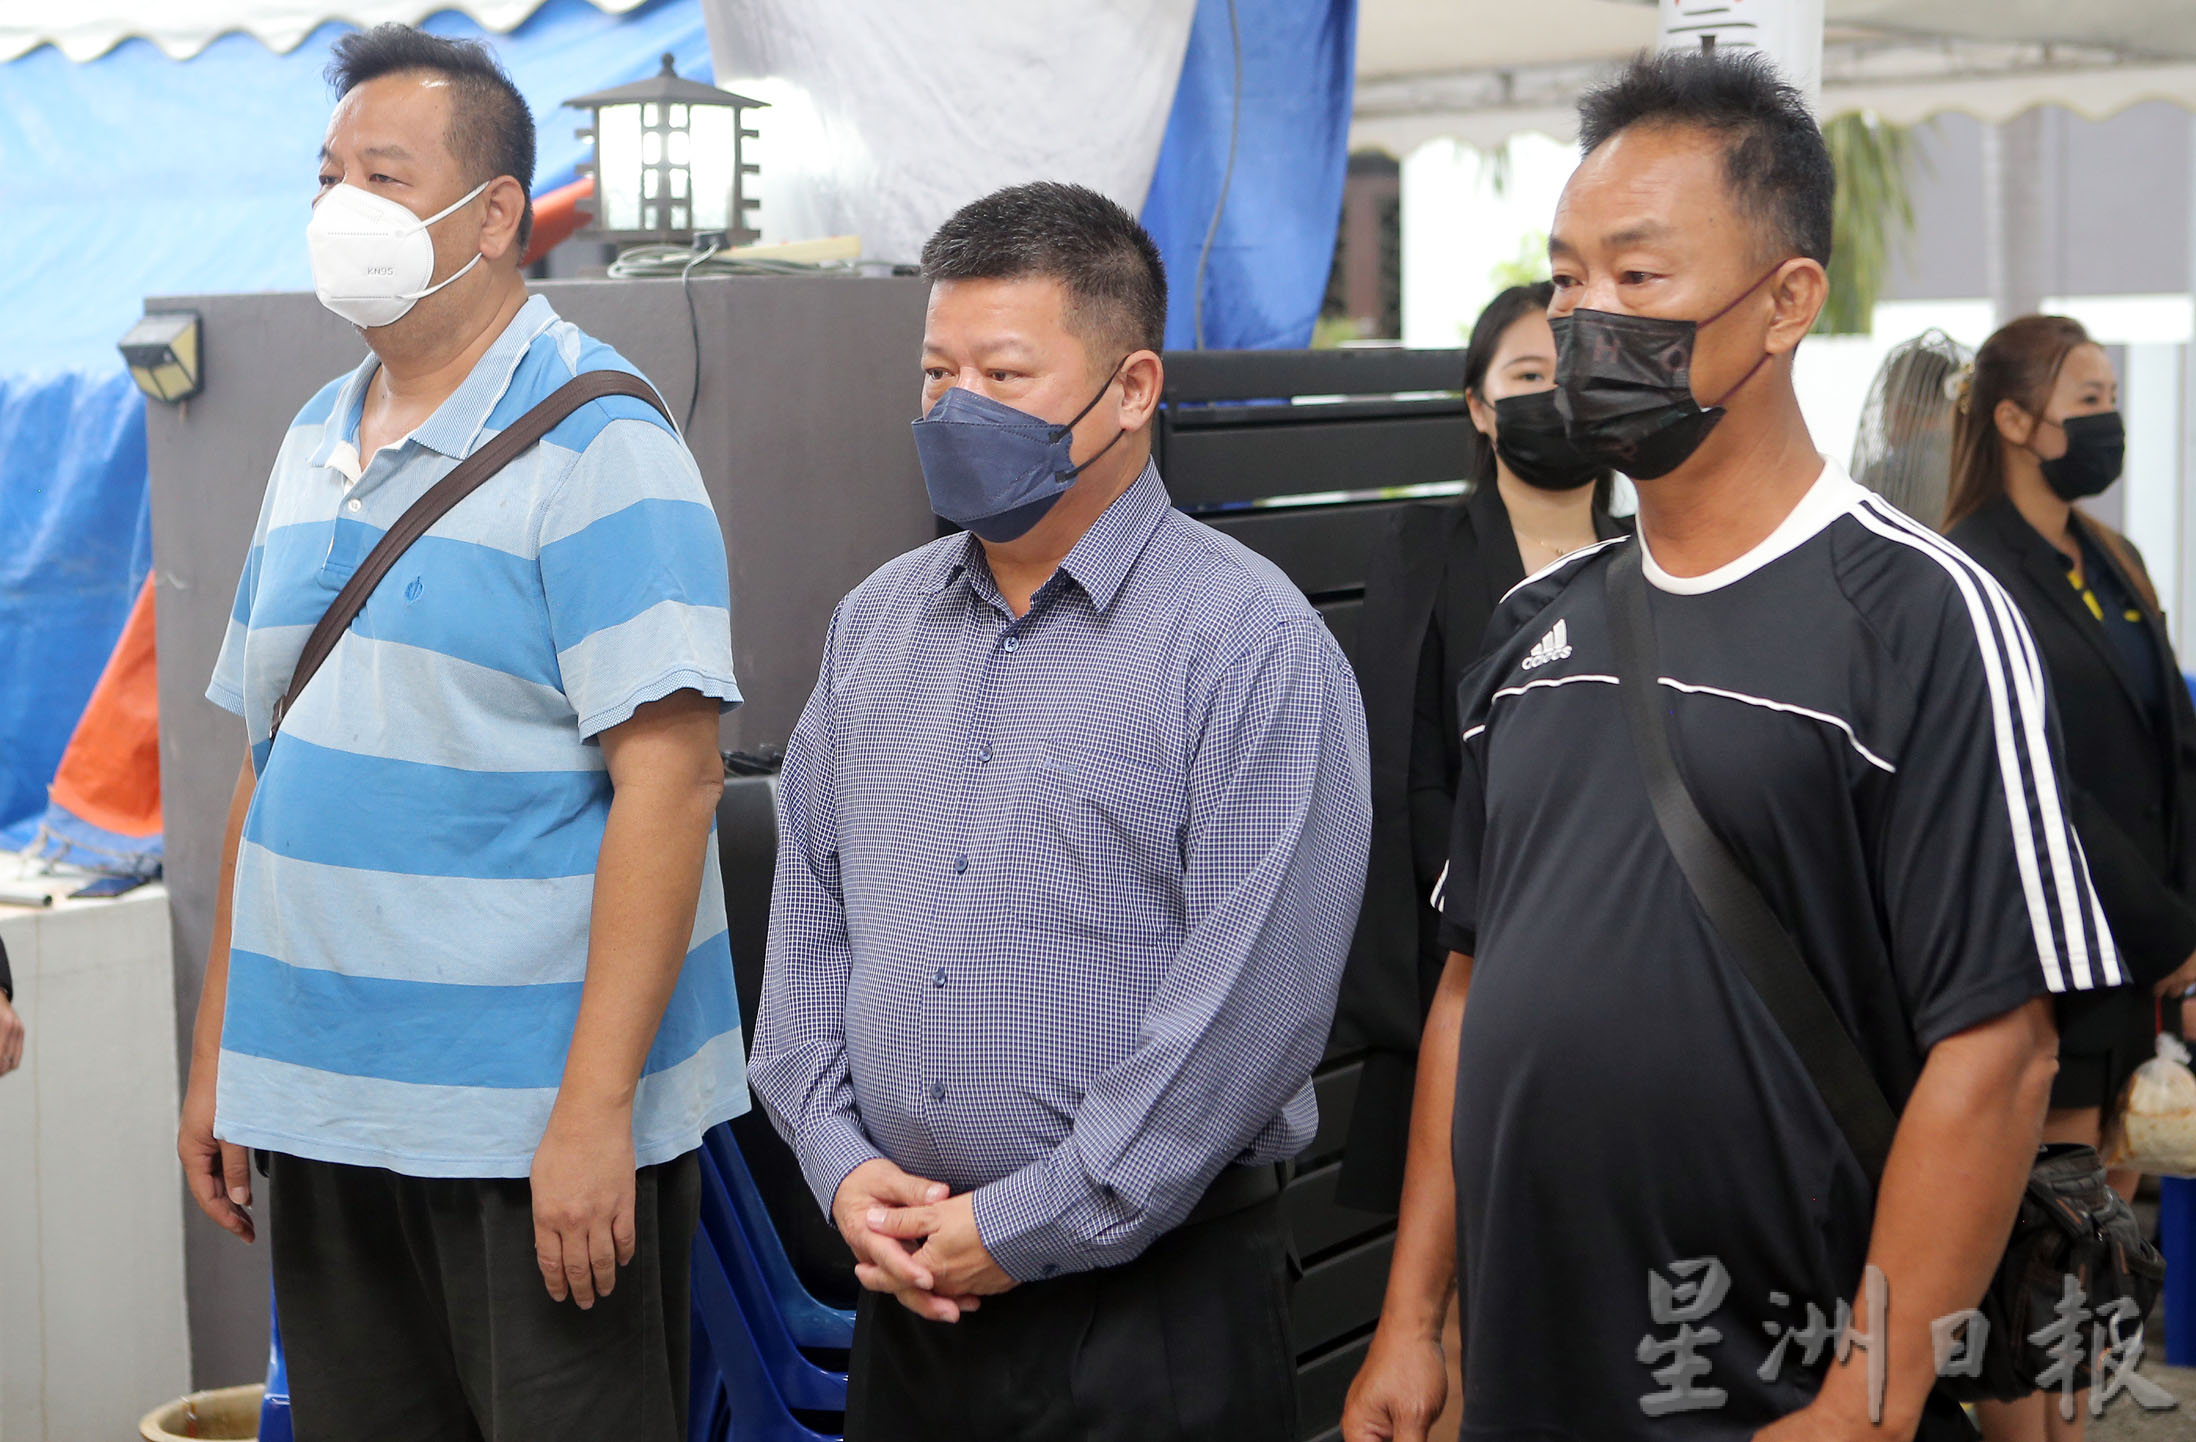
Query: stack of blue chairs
[[753, 1319], [753, 1323], [274, 1406]]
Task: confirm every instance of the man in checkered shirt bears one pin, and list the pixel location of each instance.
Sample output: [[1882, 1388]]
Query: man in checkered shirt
[[1074, 830]]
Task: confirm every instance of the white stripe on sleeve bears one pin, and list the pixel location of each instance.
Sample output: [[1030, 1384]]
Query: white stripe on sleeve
[[2014, 678]]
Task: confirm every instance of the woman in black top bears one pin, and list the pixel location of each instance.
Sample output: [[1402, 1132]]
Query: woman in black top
[[1434, 578], [2039, 431]]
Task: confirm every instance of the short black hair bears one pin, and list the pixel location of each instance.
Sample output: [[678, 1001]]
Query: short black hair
[[1775, 160], [1108, 263], [491, 130]]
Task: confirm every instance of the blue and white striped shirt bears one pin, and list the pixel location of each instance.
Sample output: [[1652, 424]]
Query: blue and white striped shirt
[[416, 873], [1062, 901]]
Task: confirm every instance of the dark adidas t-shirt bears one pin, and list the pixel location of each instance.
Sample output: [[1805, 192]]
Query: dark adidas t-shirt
[[1860, 713]]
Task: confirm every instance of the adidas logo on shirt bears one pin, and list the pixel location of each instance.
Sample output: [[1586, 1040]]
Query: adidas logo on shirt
[[1552, 647]]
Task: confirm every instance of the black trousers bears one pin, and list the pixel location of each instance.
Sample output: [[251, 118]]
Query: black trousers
[[1188, 1342], [413, 1307]]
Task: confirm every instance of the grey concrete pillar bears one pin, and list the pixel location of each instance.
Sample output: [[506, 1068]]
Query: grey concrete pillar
[[2020, 250]]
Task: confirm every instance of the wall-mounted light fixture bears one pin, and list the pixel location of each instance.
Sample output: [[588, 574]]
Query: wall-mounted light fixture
[[164, 357]]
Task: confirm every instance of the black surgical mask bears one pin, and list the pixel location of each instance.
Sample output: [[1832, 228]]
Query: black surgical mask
[[1624, 387], [1530, 440], [2096, 446]]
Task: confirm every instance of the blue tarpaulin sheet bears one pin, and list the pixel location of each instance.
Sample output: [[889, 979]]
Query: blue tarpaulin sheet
[[1267, 271], [62, 836], [136, 175], [75, 543]]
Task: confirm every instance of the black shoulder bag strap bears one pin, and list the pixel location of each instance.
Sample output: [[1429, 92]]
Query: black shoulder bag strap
[[463, 479], [1734, 903]]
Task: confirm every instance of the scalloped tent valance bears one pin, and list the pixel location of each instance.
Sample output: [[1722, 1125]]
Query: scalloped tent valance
[[86, 29], [1396, 37], [1978, 44]]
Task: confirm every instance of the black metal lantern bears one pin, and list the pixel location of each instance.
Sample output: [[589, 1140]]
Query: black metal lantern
[[668, 162]]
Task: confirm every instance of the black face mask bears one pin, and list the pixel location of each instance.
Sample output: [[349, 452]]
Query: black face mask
[[1530, 440], [2096, 446], [1624, 387]]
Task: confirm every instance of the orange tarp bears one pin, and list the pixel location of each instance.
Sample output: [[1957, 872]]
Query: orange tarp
[[557, 215], [110, 775]]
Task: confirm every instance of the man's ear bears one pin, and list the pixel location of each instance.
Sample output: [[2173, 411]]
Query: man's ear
[[1800, 290], [499, 228], [1143, 378]]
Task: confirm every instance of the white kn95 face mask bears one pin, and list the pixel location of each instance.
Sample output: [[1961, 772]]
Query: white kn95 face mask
[[372, 258]]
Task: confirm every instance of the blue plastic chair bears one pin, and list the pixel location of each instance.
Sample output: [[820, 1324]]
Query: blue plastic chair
[[798, 1380], [703, 1389], [274, 1408], [811, 1322], [743, 1403], [710, 1408], [2177, 1229]]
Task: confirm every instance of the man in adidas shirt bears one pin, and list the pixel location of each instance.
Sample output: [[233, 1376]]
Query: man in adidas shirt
[[1647, 1192]]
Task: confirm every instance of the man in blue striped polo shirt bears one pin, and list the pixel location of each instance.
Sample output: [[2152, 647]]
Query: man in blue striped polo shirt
[[470, 992]]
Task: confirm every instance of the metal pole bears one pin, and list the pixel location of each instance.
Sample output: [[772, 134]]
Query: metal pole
[[2181, 607], [2015, 259], [2150, 488], [1788, 31], [2177, 1195]]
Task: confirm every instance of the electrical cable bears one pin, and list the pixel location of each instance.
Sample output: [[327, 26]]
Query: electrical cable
[[1227, 179], [694, 328], [665, 261]]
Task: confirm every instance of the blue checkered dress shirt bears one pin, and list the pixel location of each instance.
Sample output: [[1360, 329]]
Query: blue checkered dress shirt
[[1062, 901]]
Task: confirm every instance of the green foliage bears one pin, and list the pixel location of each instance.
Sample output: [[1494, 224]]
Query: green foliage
[[1528, 265], [1874, 213], [1331, 330]]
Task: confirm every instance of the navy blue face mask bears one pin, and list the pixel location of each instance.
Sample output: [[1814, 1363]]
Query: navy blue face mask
[[994, 470]]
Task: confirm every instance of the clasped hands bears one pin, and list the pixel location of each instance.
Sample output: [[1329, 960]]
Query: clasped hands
[[913, 1239]]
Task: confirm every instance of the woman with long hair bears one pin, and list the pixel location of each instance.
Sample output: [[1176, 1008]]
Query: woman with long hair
[[2038, 432], [1436, 574]]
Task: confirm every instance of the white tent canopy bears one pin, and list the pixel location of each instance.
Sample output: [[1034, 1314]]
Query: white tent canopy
[[1475, 70], [1482, 70], [86, 29], [881, 121], [1419, 37], [2156, 27]]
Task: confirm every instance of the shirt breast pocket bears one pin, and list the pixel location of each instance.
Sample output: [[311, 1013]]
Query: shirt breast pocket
[[1103, 836]]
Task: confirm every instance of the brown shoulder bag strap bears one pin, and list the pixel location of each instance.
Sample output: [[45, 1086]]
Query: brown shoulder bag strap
[[465, 478]]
